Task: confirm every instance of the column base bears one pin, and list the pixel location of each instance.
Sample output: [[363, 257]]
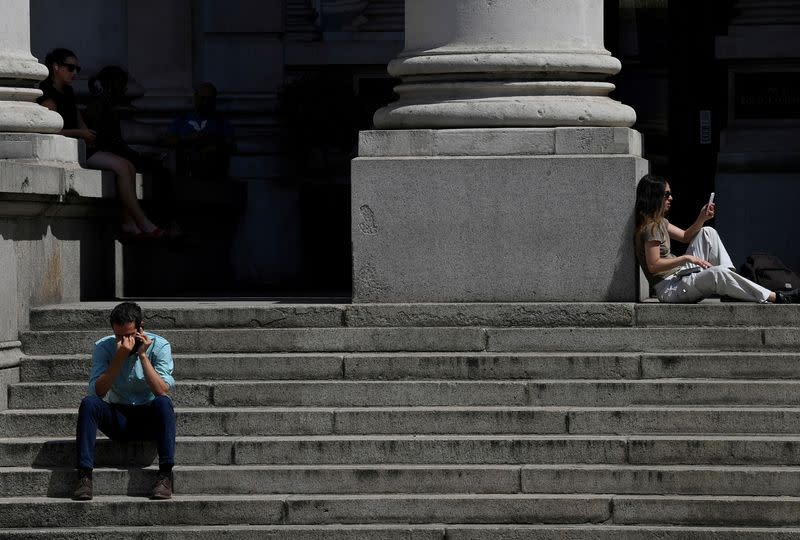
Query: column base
[[496, 228], [39, 147]]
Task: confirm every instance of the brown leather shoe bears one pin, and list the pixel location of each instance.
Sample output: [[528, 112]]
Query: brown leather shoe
[[83, 492], [163, 487]]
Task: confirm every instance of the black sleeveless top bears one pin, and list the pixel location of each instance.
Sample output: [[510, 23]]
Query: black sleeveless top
[[65, 102]]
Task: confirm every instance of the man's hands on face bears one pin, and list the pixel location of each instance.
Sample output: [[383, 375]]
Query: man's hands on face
[[127, 343]]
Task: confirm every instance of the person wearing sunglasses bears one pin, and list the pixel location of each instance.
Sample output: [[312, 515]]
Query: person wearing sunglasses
[[58, 95], [706, 269]]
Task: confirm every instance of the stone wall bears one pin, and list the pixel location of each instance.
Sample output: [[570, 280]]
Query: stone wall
[[57, 224]]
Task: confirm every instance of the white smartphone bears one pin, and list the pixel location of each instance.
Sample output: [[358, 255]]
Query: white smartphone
[[711, 199]]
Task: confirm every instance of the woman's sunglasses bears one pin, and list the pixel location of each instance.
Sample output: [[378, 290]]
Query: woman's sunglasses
[[667, 194], [71, 67]]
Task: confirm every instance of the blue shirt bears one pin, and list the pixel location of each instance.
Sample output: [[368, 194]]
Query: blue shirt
[[192, 122], [131, 387]]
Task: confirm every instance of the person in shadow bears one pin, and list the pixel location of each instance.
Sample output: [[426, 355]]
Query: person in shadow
[[58, 95], [203, 138], [109, 87]]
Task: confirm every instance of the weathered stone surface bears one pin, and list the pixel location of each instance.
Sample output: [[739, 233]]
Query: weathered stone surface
[[447, 229], [342, 441], [661, 479], [137, 511], [369, 393], [646, 419], [477, 366], [201, 366], [36, 146], [498, 142], [729, 511], [616, 532], [270, 479], [717, 314], [733, 365], [432, 449], [69, 395], [447, 509], [623, 339], [276, 340], [720, 449], [491, 315], [207, 314]]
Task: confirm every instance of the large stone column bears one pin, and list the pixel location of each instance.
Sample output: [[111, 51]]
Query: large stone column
[[20, 116], [504, 172], [505, 64]]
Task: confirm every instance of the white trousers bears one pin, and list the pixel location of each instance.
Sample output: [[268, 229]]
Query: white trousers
[[719, 279]]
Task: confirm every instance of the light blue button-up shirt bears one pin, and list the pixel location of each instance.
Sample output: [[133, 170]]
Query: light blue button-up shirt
[[131, 387]]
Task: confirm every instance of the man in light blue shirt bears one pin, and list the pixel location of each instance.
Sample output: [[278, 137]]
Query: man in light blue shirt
[[133, 369]]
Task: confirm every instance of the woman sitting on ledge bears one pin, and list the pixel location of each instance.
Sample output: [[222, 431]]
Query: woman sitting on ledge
[[58, 96], [706, 268]]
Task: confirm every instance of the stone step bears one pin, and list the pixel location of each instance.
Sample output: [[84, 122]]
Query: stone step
[[329, 449], [406, 532], [36, 512], [398, 478], [641, 339], [467, 366], [438, 340], [237, 532], [124, 511], [275, 340], [255, 314], [661, 479], [540, 393], [264, 314], [271, 479], [245, 421], [658, 450], [710, 313], [241, 421]]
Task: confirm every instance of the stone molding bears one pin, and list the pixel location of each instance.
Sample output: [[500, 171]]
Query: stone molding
[[38, 146], [10, 354], [19, 72], [509, 64], [499, 142]]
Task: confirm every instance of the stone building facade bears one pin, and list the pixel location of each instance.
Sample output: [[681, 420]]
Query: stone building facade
[[314, 72]]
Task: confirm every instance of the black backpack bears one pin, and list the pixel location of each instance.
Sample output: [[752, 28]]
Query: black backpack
[[770, 272]]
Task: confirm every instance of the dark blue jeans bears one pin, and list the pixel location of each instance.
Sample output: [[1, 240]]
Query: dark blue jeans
[[154, 421]]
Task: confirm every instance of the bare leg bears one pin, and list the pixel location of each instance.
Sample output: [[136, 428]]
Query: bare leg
[[126, 188]]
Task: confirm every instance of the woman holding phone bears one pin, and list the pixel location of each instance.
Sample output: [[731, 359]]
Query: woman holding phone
[[705, 269]]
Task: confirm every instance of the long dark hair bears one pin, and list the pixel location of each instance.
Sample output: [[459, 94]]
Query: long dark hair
[[650, 200], [106, 78], [56, 56]]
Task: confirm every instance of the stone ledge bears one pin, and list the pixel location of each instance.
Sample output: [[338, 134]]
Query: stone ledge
[[39, 147], [32, 187], [499, 142]]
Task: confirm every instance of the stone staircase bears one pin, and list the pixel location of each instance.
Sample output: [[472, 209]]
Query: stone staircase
[[492, 421]]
